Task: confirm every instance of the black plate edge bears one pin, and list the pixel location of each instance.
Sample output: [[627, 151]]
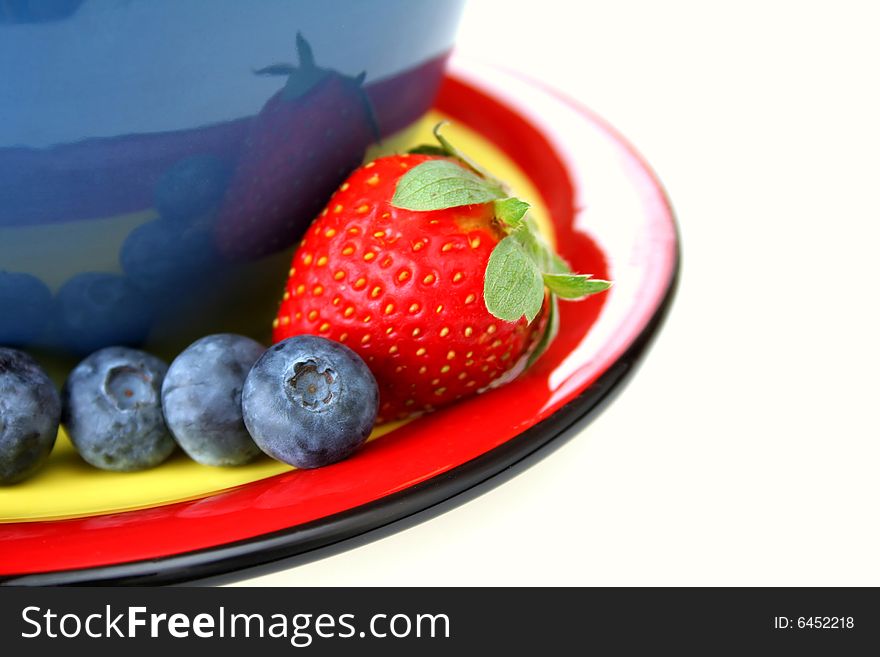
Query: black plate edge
[[339, 532]]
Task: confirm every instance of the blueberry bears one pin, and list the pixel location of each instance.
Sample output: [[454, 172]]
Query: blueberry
[[161, 257], [192, 187], [96, 310], [201, 397], [25, 307], [29, 414], [112, 410], [309, 401]]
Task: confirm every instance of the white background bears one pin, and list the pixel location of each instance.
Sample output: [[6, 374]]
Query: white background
[[746, 450]]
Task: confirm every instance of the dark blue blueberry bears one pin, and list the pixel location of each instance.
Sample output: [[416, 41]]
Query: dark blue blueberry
[[25, 307], [192, 187], [201, 397], [113, 410], [29, 413], [95, 310], [309, 401], [162, 258]]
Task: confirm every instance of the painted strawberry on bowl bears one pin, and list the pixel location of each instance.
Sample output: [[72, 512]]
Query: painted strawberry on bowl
[[306, 139]]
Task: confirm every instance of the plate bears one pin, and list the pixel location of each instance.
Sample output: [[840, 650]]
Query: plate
[[609, 216]]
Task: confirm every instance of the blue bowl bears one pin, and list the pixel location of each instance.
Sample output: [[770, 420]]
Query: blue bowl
[[159, 158]]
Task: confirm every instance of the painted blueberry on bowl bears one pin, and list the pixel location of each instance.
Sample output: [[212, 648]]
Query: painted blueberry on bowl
[[30, 409], [25, 306], [163, 258], [309, 401], [98, 309], [192, 187], [112, 410], [201, 398]]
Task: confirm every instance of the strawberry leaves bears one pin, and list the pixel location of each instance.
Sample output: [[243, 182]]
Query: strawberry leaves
[[550, 331], [511, 211], [441, 184], [523, 269], [520, 267], [574, 286], [514, 287]]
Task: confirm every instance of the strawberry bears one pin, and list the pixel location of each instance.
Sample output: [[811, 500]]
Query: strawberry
[[424, 266], [306, 139]]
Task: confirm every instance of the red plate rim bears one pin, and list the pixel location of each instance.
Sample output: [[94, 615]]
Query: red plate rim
[[422, 468]]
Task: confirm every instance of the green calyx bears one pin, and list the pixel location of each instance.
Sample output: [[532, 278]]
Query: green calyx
[[307, 75], [523, 270], [438, 184], [302, 78]]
